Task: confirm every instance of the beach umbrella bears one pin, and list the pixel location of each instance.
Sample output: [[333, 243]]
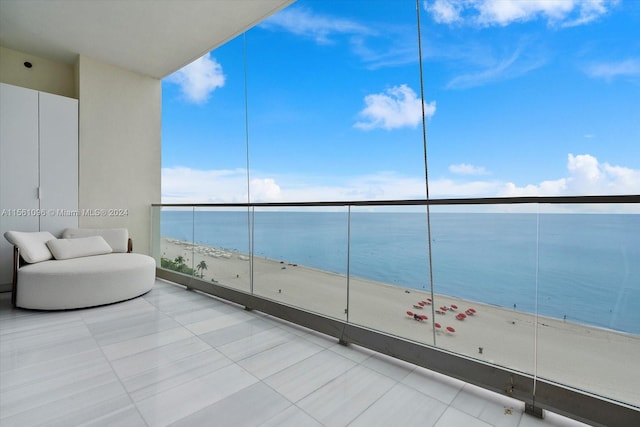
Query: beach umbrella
[[443, 308], [424, 317], [422, 303], [437, 325], [410, 313], [429, 299], [454, 307], [450, 329], [470, 312], [461, 316]]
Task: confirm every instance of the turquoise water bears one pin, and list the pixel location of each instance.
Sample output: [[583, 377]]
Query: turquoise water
[[582, 266]]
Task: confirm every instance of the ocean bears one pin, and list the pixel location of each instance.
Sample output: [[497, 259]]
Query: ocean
[[584, 268]]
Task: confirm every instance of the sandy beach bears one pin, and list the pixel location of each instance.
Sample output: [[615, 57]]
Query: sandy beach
[[597, 360]]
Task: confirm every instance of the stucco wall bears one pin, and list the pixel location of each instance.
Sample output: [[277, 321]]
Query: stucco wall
[[119, 151]]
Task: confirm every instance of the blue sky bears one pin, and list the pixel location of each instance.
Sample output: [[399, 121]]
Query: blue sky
[[537, 97]]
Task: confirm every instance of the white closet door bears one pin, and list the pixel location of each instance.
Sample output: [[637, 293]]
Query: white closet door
[[18, 167], [58, 162]]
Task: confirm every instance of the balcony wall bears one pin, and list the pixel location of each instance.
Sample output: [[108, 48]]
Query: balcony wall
[[119, 154]]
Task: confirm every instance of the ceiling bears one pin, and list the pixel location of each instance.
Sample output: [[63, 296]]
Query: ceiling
[[151, 37]]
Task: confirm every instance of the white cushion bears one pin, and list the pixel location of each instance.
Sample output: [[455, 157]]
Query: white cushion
[[84, 282], [117, 238], [32, 244], [80, 247]]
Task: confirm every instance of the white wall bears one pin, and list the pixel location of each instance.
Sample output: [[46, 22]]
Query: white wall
[[119, 135], [119, 152], [45, 75]]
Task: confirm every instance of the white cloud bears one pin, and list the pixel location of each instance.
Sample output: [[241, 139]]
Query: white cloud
[[321, 28], [186, 185], [199, 79], [445, 11], [397, 107], [514, 66], [378, 45], [467, 169], [265, 190], [585, 176], [565, 13], [460, 188], [612, 70]]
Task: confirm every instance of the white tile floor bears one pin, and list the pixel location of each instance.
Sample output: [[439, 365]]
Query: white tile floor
[[176, 357]]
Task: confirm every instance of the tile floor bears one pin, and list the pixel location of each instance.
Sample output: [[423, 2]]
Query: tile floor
[[180, 358]]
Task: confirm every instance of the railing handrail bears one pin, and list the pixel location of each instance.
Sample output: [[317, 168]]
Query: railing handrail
[[596, 199]]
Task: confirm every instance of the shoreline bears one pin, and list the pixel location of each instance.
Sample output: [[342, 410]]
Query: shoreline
[[595, 359]]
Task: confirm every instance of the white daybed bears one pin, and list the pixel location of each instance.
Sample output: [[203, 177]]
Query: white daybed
[[85, 268]]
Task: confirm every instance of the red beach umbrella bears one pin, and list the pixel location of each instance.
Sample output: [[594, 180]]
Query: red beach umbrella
[[410, 313], [450, 329], [424, 317], [437, 325], [461, 316], [422, 303], [443, 308], [429, 299], [453, 306]]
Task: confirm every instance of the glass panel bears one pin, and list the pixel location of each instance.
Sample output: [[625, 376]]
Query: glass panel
[[318, 74], [484, 272], [589, 300], [204, 140], [156, 241], [176, 239], [389, 272], [221, 250], [300, 259]]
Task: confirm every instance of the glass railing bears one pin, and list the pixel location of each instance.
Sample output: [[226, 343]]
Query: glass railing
[[547, 290]]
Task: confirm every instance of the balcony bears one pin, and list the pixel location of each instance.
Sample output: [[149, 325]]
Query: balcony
[[532, 299], [174, 357], [285, 321]]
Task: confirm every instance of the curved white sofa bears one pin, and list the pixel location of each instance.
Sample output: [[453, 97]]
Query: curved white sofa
[[80, 270]]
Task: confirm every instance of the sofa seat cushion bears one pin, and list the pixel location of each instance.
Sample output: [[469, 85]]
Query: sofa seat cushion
[[84, 282]]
